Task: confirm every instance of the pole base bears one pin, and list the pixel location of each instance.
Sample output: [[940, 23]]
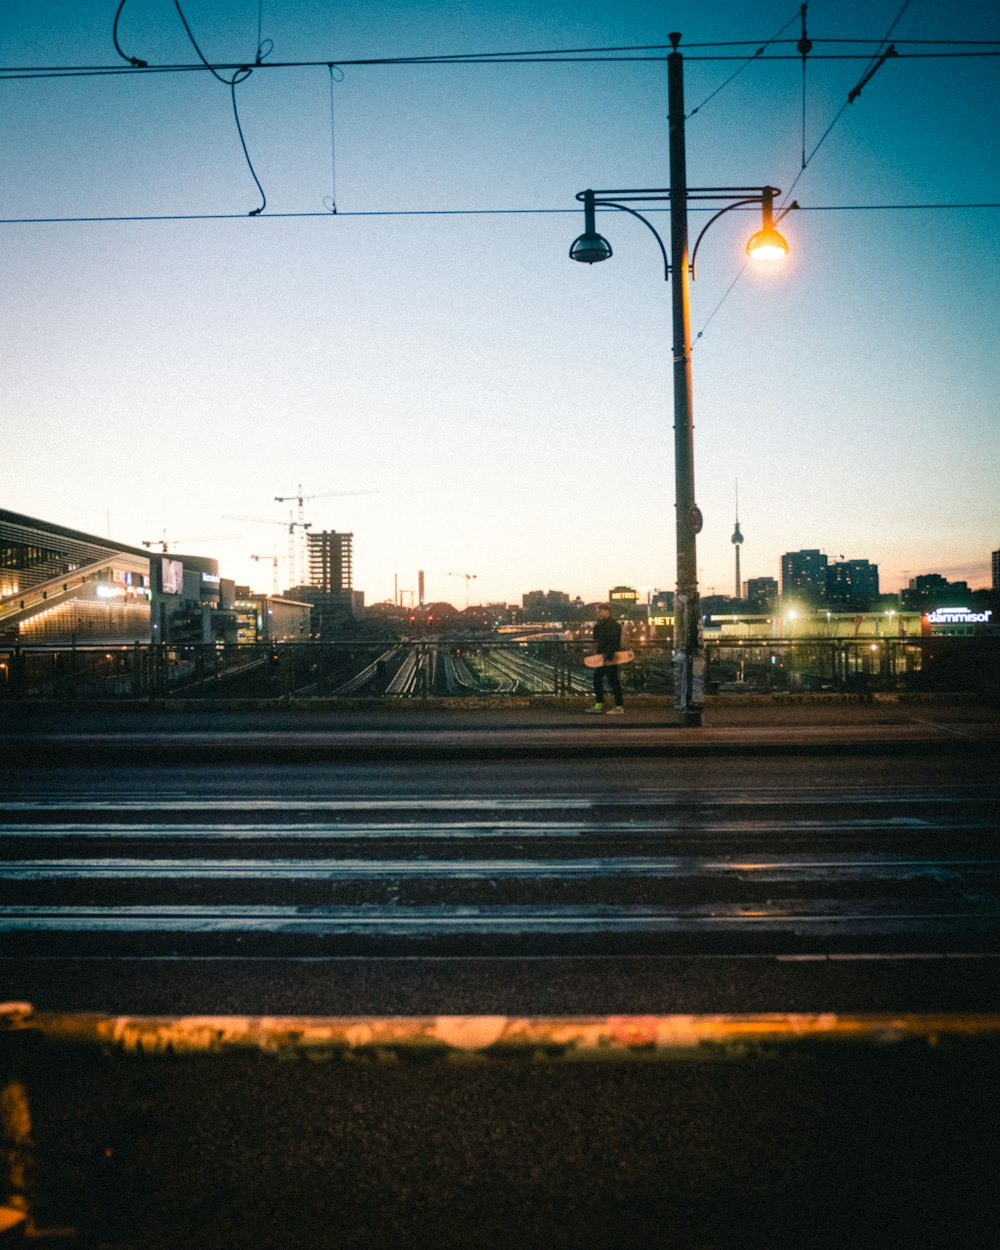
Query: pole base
[[689, 718]]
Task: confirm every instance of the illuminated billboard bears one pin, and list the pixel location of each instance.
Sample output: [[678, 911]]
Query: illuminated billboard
[[172, 575]]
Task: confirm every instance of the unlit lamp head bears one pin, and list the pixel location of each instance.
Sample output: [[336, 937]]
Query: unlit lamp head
[[590, 248]]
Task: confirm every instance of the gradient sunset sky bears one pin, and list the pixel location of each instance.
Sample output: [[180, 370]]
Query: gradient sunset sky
[[510, 411]]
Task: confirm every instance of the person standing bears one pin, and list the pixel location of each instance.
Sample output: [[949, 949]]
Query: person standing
[[607, 640]]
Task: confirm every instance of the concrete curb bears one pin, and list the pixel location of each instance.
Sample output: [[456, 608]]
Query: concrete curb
[[605, 738]]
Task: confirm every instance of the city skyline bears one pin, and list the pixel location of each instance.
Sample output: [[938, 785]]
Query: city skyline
[[509, 412], [329, 563]]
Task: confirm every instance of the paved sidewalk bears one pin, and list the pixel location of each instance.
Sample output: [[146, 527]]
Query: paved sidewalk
[[451, 728]]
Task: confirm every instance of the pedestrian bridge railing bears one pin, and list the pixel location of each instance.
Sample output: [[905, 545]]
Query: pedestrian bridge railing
[[481, 667]]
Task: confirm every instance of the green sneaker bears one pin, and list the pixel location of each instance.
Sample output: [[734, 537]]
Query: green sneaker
[[598, 707], [616, 711]]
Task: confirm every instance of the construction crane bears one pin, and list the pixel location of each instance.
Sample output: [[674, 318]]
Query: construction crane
[[166, 543], [291, 525], [303, 524], [274, 565], [469, 578]]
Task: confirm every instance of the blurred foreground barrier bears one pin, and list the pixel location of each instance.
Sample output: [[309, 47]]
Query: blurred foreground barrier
[[580, 1133], [497, 1037]]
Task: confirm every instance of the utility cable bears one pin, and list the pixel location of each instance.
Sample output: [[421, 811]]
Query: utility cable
[[876, 63], [805, 47], [456, 212], [134, 61], [239, 76], [980, 49], [331, 200], [719, 304], [760, 52], [882, 54]]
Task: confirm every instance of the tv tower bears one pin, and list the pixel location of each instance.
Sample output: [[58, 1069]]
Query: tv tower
[[737, 539]]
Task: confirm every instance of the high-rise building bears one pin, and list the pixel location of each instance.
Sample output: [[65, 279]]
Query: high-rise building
[[541, 605], [996, 572], [330, 556], [803, 576], [761, 594], [852, 584], [931, 590]]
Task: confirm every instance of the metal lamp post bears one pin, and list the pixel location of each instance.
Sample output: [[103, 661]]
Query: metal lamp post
[[767, 243]]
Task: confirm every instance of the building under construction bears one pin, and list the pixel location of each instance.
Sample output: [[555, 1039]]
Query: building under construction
[[330, 555]]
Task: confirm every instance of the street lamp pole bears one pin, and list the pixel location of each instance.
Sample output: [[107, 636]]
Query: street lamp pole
[[591, 247], [689, 640]]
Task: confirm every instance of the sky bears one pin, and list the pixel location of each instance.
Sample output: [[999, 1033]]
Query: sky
[[448, 385]]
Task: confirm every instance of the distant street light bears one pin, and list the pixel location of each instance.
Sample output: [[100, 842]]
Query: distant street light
[[767, 244]]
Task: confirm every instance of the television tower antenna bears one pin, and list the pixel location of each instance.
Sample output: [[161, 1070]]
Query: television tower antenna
[[737, 541]]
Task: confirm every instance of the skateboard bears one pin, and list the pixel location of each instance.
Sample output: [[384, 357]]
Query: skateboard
[[598, 661]]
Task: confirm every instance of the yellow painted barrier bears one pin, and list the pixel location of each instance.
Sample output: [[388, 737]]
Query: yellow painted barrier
[[497, 1037]]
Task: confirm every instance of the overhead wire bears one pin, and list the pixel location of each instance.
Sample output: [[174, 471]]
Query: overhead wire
[[749, 61], [239, 75], [331, 200], [882, 53], [456, 212], [980, 48], [241, 71], [134, 61], [711, 315], [805, 46]]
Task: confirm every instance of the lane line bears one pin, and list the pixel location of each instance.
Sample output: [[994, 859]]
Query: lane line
[[686, 867], [699, 798]]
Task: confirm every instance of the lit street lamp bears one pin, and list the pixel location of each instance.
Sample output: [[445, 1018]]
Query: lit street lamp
[[766, 244]]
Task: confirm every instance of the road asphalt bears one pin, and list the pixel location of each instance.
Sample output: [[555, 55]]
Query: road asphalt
[[893, 1146]]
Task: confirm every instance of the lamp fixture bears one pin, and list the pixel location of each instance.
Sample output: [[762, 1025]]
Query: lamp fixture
[[590, 247], [768, 243]]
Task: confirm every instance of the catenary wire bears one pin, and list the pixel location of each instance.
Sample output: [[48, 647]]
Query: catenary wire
[[331, 199], [240, 75], [457, 212], [20, 73], [805, 46], [876, 60], [884, 50], [737, 72], [725, 296], [134, 61]]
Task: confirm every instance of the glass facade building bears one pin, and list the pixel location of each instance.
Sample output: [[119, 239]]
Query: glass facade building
[[59, 585]]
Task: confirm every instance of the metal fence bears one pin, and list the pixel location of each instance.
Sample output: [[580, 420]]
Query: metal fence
[[483, 668]]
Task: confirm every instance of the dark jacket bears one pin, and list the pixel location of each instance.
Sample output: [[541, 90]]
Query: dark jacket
[[607, 636]]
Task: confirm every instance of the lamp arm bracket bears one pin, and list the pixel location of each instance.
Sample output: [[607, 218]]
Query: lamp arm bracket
[[649, 226], [757, 199]]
